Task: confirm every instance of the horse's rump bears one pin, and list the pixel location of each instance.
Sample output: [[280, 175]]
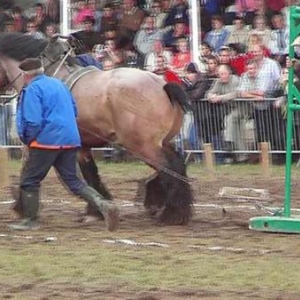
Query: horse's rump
[[122, 103]]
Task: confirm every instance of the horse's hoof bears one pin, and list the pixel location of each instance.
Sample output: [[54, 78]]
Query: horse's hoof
[[111, 217], [172, 217], [89, 219], [154, 212]]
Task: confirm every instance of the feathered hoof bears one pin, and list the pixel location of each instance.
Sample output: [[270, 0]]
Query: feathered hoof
[[111, 216], [90, 219], [172, 216]]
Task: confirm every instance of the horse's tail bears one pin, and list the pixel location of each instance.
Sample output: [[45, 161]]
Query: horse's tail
[[178, 95]]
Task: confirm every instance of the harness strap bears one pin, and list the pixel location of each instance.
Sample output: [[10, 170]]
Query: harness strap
[[73, 77]]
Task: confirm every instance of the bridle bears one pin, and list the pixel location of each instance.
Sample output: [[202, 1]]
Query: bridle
[[47, 66]]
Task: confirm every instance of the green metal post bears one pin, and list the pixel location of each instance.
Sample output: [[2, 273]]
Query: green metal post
[[285, 223], [290, 115]]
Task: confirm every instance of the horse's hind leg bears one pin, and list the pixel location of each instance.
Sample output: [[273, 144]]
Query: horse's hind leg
[[155, 194], [179, 198], [170, 189], [90, 174]]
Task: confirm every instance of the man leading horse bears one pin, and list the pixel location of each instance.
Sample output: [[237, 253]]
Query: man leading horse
[[46, 123]]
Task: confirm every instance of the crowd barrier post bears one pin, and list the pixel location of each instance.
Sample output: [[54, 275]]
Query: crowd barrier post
[[265, 158], [209, 158], [4, 180]]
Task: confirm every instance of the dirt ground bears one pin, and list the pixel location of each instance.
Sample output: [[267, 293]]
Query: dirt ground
[[222, 221]]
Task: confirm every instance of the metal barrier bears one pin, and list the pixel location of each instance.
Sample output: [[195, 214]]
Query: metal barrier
[[238, 126]]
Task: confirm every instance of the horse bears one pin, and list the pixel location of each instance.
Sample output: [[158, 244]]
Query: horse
[[129, 107]]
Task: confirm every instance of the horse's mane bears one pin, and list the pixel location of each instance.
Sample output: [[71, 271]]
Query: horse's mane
[[19, 46]]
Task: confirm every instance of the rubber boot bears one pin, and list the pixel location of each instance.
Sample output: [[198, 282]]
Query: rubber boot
[[30, 206], [107, 208]]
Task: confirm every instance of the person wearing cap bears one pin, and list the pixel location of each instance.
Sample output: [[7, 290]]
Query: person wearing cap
[[46, 124], [196, 85]]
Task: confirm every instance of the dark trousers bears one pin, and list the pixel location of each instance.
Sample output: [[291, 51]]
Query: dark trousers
[[41, 160], [270, 127]]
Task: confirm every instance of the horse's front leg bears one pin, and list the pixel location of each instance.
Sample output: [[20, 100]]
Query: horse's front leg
[[90, 174]]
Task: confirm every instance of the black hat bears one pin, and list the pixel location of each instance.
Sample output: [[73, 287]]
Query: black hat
[[192, 68], [31, 64]]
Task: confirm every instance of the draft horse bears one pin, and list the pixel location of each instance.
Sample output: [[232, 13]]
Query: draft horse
[[133, 108]]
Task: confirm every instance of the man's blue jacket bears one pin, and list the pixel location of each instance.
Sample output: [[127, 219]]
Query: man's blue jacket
[[46, 115]]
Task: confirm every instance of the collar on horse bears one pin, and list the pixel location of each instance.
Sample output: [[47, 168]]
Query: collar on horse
[[53, 53]]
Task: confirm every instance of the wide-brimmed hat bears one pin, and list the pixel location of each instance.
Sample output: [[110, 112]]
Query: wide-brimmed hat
[[31, 65]]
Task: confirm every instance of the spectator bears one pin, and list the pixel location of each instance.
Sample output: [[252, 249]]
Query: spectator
[[260, 28], [158, 49], [212, 70], [258, 83], [31, 29], [239, 35], [222, 91], [82, 11], [108, 19], [19, 19], [107, 64], [178, 11], [92, 4], [246, 9], [182, 57], [131, 17], [231, 56], [280, 41], [51, 31], [268, 72], [196, 86], [256, 39], [87, 37], [217, 37], [158, 14], [165, 6], [274, 7], [179, 31], [262, 11], [205, 52], [113, 53], [40, 17], [164, 72], [52, 10], [285, 11], [9, 25], [146, 36]]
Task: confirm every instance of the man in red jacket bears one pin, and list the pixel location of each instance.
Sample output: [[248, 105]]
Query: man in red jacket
[[163, 70]]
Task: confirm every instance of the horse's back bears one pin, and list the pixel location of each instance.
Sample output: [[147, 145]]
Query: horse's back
[[125, 104]]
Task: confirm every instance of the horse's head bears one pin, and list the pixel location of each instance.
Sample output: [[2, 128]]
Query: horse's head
[[14, 48], [4, 81]]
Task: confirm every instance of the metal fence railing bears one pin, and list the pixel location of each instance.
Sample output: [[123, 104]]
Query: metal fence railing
[[237, 126]]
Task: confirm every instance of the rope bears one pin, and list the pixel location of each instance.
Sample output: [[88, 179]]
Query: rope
[[147, 160]]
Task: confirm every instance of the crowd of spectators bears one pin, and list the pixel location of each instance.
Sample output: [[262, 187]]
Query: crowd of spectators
[[242, 52]]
